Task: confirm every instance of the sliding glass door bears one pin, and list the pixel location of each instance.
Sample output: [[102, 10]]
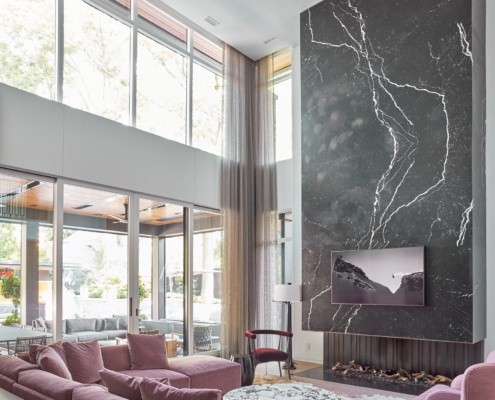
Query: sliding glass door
[[26, 261]]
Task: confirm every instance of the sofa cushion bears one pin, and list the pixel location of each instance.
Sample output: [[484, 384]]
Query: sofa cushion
[[84, 361], [100, 324], [147, 351], [93, 392], [176, 379], [124, 385], [24, 392], [35, 348], [40, 323], [111, 324], [208, 372], [86, 336], [112, 334], [81, 325], [48, 360], [12, 366], [153, 390], [48, 384]]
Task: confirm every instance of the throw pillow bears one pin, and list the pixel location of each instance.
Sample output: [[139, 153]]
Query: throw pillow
[[111, 324], [81, 325], [152, 390], [84, 360], [457, 382], [122, 321], [49, 360], [34, 349], [39, 323], [147, 351], [125, 385]]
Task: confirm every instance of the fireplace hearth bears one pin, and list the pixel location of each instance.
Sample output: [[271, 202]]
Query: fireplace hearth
[[400, 376]]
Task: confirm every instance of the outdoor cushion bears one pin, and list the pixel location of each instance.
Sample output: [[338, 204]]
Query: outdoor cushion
[[122, 320], [84, 361], [124, 385], [86, 336], [147, 351], [49, 326], [111, 324], [112, 334], [81, 325], [48, 360], [153, 390]]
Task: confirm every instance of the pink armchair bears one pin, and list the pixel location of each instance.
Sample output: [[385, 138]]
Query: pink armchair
[[476, 383]]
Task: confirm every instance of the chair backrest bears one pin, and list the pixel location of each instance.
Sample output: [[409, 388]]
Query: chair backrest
[[150, 332], [22, 343], [202, 336]]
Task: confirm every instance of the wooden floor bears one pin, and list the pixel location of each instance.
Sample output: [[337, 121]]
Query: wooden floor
[[269, 373]]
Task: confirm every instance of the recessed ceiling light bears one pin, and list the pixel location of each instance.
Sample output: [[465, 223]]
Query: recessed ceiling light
[[211, 21], [270, 40]]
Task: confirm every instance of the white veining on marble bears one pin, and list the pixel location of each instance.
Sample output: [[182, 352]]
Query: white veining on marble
[[397, 123], [352, 317], [311, 304], [464, 223], [464, 42], [431, 52], [319, 263]]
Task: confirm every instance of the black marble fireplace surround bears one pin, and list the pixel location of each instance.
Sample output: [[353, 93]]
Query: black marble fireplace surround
[[393, 139]]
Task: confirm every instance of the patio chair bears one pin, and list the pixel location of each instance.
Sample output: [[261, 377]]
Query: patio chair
[[22, 343], [202, 339]]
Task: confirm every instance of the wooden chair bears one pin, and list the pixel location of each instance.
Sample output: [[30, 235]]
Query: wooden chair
[[261, 355], [22, 343]]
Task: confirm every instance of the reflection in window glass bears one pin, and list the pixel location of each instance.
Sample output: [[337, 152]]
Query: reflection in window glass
[[161, 90], [26, 284], [27, 45], [207, 110], [283, 119], [96, 63], [207, 244]]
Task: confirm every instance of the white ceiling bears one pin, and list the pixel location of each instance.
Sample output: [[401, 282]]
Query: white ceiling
[[247, 24]]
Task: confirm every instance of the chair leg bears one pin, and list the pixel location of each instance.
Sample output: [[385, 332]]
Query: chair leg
[[280, 369], [288, 371]]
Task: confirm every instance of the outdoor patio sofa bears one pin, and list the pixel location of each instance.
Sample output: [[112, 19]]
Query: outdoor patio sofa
[[86, 329], [28, 381]]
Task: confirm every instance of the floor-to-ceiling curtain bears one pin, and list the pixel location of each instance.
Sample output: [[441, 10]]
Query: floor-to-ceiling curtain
[[248, 199]]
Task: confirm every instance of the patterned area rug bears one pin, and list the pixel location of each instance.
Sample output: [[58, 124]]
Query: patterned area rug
[[292, 391]]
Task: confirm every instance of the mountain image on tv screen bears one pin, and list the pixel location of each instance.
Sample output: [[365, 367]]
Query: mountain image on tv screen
[[379, 277]]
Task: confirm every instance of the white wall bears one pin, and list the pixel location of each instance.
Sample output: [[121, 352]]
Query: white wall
[[490, 174], [49, 138]]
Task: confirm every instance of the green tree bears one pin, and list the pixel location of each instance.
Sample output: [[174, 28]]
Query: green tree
[[11, 290], [9, 242]]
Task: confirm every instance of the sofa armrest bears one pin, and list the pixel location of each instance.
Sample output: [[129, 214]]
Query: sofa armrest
[[440, 392], [479, 382]]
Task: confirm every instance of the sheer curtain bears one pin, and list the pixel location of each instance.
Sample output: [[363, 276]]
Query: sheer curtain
[[248, 199]]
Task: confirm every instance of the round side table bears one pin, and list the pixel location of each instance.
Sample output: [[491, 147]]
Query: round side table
[[247, 372]]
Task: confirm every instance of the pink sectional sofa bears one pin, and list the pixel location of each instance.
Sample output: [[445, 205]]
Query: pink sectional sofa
[[29, 382], [476, 383]]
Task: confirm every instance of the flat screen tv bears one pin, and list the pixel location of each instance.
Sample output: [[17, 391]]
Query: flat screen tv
[[393, 276]]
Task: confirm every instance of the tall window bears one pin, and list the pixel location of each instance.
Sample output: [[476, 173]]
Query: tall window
[[161, 90], [282, 87], [96, 62], [27, 45], [175, 90]]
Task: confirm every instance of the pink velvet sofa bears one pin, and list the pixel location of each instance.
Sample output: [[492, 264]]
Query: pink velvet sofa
[[476, 383], [29, 382]]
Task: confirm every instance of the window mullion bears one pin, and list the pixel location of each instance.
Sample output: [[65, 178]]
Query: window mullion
[[59, 50], [189, 85], [133, 66]]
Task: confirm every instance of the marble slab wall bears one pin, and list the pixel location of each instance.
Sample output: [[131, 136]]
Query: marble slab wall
[[393, 156]]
